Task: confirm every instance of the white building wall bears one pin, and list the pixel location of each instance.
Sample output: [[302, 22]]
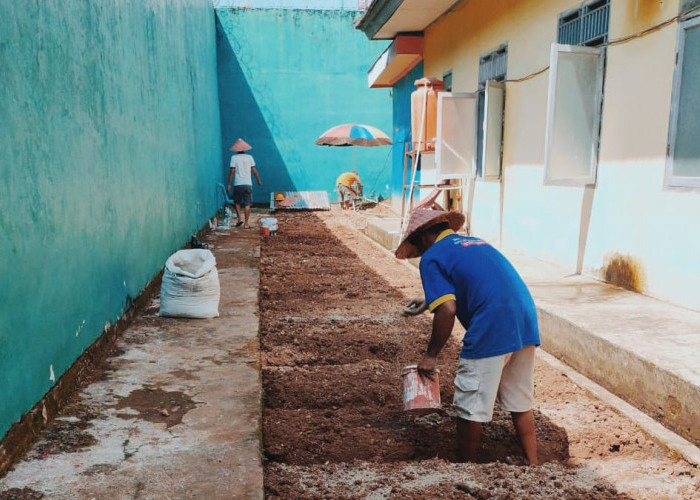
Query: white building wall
[[633, 213], [630, 212]]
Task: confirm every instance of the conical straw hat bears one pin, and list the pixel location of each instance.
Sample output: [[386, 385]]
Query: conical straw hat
[[241, 145], [421, 220]]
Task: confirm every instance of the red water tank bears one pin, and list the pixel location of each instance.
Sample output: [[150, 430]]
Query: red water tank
[[424, 105]]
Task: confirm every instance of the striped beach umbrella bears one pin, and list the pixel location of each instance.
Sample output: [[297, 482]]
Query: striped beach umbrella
[[353, 134]]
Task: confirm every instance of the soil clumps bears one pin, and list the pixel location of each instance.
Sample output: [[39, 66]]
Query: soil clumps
[[333, 345]]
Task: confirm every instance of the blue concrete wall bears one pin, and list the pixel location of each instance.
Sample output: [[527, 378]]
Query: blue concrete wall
[[286, 76], [111, 147], [402, 91]]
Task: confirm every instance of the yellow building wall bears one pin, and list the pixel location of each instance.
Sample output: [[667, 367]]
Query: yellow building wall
[[629, 212], [507, 215]]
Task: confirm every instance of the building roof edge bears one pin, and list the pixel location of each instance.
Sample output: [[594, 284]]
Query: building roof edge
[[376, 16]]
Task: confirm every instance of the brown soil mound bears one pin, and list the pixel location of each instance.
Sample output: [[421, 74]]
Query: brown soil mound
[[333, 345]]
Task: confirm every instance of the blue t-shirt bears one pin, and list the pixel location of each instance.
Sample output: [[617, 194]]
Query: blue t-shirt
[[493, 302]]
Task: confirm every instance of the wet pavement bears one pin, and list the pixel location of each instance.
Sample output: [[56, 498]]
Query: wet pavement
[[174, 414]]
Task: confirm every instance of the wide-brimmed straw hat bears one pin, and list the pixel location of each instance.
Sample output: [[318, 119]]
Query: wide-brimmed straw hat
[[241, 145], [421, 220]]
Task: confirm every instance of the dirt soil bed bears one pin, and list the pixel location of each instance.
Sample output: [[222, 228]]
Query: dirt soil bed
[[333, 345]]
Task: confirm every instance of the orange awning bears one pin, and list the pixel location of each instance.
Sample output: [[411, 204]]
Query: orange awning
[[404, 53]]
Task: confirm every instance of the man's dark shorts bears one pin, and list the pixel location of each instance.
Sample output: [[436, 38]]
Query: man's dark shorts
[[243, 195]]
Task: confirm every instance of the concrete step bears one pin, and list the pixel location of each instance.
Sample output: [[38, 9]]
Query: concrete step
[[641, 349]]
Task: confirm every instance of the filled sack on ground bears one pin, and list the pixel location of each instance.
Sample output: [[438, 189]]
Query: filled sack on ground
[[190, 287]]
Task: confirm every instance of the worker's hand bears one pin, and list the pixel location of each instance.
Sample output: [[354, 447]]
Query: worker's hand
[[415, 307], [426, 367]]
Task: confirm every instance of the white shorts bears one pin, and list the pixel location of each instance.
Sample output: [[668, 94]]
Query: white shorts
[[508, 377], [344, 193]]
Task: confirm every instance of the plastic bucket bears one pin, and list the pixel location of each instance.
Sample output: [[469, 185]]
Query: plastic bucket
[[420, 396], [265, 231], [269, 222]]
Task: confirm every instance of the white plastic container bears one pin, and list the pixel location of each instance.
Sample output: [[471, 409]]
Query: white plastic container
[[269, 222]]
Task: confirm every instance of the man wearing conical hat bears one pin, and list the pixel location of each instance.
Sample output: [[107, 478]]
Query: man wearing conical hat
[[466, 278], [242, 166]]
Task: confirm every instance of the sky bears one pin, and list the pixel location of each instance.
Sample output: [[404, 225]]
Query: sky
[[292, 4]]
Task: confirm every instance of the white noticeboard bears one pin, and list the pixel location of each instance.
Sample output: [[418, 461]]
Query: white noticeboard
[[456, 136]]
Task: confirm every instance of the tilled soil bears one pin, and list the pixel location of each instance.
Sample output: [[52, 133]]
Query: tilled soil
[[333, 345]]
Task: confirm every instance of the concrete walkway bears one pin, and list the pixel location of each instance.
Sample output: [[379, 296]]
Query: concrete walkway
[[640, 349], [176, 414]]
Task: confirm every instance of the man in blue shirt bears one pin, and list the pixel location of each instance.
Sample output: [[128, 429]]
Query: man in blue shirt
[[467, 278]]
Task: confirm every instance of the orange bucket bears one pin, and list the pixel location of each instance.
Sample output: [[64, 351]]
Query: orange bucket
[[420, 396], [265, 231]]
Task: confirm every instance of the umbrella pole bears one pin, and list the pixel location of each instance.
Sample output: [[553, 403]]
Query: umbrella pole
[[353, 158]]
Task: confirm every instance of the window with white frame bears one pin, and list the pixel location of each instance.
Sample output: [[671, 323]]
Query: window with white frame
[[683, 159], [573, 115], [574, 103], [491, 99], [456, 135]]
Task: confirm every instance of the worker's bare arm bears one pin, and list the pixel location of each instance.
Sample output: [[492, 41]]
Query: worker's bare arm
[[443, 321], [231, 175]]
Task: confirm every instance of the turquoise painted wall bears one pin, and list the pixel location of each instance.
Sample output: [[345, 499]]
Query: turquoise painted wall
[[286, 76], [291, 4], [402, 91], [111, 148]]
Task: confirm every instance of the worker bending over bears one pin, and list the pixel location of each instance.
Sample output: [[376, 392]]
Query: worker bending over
[[349, 187], [467, 278]]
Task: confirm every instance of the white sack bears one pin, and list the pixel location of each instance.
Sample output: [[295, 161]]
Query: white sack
[[190, 287]]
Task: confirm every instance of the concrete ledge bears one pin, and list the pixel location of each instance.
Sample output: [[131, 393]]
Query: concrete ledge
[[641, 349], [672, 440], [653, 389], [385, 231]]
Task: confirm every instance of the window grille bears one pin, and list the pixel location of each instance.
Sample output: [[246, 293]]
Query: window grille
[[587, 25], [447, 81], [492, 66]]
